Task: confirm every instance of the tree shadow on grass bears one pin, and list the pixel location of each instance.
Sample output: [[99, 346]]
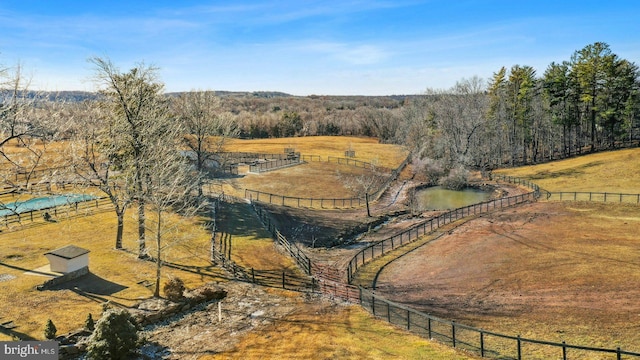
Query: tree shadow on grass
[[91, 284], [16, 334]]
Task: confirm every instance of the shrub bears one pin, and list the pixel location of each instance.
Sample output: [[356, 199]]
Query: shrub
[[457, 179], [115, 336], [174, 289], [431, 169], [50, 330], [89, 324]]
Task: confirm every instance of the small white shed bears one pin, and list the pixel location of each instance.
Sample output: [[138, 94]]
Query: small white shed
[[68, 259]]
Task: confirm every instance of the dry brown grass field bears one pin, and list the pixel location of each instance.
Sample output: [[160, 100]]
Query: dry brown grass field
[[312, 179], [116, 276], [366, 149], [120, 278], [553, 271], [556, 271], [611, 171]]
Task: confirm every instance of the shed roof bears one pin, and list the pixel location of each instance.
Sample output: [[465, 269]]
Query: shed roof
[[68, 252]]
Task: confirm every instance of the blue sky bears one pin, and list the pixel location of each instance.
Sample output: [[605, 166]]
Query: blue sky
[[375, 47]]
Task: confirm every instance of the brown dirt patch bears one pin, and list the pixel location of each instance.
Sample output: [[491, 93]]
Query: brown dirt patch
[[554, 271]]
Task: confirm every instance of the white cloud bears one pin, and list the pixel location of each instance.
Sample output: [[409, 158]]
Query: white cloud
[[351, 54]]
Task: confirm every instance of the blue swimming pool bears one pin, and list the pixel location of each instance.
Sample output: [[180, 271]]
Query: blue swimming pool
[[42, 203]]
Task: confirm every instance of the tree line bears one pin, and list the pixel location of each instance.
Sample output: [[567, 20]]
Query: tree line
[[125, 138]]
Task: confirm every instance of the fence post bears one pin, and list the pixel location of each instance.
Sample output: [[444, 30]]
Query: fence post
[[519, 348], [618, 353], [373, 304], [429, 326], [453, 333], [389, 313], [283, 280], [253, 276], [482, 343], [564, 350], [408, 320]]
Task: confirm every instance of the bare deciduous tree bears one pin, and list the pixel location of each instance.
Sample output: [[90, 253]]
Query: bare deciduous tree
[[171, 187], [138, 117], [95, 160], [207, 128]]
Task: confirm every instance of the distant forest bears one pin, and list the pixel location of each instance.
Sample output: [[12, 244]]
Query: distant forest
[[590, 102]]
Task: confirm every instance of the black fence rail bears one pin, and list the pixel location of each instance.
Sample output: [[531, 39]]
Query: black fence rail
[[394, 175], [25, 174], [221, 255], [354, 162], [273, 165], [300, 257], [53, 213], [559, 154], [516, 181], [292, 201], [595, 197], [338, 290], [247, 157], [485, 343], [270, 278], [415, 232], [328, 203], [282, 279], [310, 158]]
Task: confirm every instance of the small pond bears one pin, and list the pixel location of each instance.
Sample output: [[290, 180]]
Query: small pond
[[439, 198]]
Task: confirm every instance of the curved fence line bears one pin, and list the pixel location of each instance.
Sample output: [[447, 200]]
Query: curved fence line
[[413, 233], [426, 227], [327, 203], [485, 343]]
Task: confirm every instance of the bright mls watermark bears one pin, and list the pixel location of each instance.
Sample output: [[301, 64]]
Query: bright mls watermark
[[41, 350]]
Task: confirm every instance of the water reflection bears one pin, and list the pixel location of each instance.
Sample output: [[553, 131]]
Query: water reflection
[[439, 198]]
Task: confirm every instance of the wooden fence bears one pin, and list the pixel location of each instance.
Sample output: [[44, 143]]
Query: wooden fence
[[352, 162], [55, 212], [23, 174], [274, 165], [485, 343], [301, 259], [594, 196], [413, 233], [292, 201], [221, 254], [328, 203], [247, 157]]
